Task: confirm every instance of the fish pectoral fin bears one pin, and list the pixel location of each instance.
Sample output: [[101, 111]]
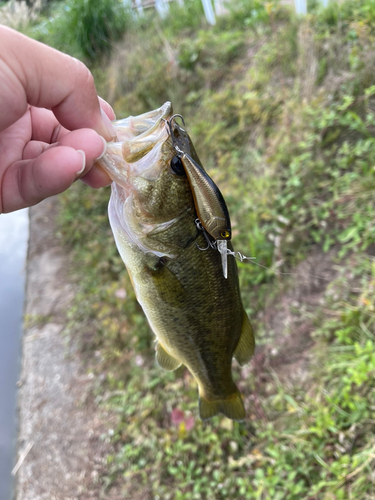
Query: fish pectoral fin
[[246, 345], [231, 407], [167, 284], [165, 360]]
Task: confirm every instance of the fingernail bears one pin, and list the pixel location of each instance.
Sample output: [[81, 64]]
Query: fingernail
[[105, 103], [104, 148], [108, 125], [79, 172], [114, 114]]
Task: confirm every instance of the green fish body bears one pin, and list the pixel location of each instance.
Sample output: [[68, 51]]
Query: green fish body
[[196, 314]]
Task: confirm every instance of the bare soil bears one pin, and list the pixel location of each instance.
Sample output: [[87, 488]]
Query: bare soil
[[287, 318]]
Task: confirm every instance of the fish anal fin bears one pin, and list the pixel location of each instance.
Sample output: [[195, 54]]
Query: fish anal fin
[[165, 360], [246, 345], [231, 407]]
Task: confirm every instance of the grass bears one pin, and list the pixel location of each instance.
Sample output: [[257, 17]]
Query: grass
[[281, 111], [86, 29]]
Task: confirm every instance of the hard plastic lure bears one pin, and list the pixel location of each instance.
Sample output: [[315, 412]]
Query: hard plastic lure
[[209, 203]]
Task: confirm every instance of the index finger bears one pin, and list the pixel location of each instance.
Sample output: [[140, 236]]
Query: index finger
[[33, 73]]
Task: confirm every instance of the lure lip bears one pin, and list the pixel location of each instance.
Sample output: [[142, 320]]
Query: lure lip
[[222, 247]]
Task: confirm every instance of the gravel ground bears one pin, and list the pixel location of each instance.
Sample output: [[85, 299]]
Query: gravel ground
[[59, 423]]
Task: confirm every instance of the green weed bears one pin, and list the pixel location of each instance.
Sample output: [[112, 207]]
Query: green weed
[[84, 28]]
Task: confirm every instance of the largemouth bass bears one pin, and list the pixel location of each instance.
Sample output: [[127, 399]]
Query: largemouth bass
[[195, 312]]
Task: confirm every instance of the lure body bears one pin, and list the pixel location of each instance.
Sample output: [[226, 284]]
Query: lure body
[[209, 202], [196, 314]]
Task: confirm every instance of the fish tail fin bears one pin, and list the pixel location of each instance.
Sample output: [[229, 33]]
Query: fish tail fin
[[232, 407]]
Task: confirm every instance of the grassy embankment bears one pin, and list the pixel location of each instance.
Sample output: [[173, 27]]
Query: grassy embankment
[[282, 112]]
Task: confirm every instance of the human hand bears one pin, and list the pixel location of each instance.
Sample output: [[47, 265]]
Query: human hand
[[52, 128]]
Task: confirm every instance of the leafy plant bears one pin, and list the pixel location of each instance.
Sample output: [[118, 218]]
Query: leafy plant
[[84, 28], [97, 25]]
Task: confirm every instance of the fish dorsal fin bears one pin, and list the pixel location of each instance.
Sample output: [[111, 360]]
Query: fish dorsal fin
[[165, 360], [246, 345]]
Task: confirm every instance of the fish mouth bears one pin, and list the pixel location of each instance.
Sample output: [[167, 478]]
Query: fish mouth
[[138, 145], [138, 127], [134, 160]]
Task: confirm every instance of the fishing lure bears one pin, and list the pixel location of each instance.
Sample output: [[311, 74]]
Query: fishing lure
[[209, 203]]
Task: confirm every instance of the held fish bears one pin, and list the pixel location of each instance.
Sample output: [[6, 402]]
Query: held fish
[[196, 314]]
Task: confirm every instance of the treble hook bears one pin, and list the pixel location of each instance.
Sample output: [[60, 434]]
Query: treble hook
[[209, 242], [169, 124], [173, 117]]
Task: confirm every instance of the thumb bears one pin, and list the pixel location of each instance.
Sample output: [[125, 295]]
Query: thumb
[[44, 77]]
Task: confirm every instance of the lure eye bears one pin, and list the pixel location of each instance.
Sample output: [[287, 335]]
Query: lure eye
[[177, 166], [225, 234]]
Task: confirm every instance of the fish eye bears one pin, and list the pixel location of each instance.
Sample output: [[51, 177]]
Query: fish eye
[[225, 234], [177, 166]]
